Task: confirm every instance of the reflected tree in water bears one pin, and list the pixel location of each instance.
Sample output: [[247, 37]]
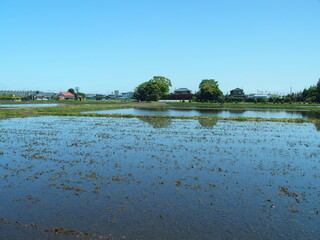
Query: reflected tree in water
[[317, 125], [157, 122], [311, 114], [207, 123]]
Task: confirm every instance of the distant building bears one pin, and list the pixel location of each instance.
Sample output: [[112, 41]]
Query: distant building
[[45, 95], [182, 94], [17, 93], [182, 91], [127, 95], [238, 92], [130, 94], [65, 96], [90, 96], [258, 96], [117, 93]]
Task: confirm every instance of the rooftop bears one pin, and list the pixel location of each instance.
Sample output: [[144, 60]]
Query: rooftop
[[67, 94]]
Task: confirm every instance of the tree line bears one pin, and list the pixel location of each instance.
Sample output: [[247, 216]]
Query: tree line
[[158, 88], [310, 95]]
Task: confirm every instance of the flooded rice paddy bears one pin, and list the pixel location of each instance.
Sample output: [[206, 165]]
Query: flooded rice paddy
[[115, 178], [223, 113], [29, 105]]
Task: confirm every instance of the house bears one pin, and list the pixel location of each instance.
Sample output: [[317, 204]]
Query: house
[[182, 94], [182, 91], [66, 96], [238, 92]]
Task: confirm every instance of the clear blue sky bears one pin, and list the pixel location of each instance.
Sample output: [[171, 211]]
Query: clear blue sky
[[104, 45]]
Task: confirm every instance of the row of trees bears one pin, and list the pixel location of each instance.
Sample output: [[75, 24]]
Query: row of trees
[[311, 94], [158, 87]]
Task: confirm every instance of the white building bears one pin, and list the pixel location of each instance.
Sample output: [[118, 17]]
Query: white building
[[117, 93]]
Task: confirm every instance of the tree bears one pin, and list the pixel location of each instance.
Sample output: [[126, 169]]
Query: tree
[[147, 91], [71, 90], [153, 89], [163, 83], [209, 90]]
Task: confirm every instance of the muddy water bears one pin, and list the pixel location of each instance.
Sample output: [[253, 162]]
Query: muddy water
[[71, 177]]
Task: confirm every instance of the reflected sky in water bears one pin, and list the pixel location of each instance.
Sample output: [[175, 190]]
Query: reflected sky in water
[[215, 112], [177, 179], [29, 105]]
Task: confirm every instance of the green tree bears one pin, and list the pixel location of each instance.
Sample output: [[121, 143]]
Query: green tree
[[153, 89], [209, 90], [312, 95], [163, 83], [147, 91], [71, 90]]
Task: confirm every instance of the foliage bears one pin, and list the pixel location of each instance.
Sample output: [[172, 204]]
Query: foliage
[[163, 83], [10, 97], [166, 96], [310, 95], [71, 90], [209, 91], [153, 89], [144, 90], [78, 95]]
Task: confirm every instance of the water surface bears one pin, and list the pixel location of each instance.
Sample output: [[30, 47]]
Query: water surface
[[29, 105], [215, 112], [176, 179]]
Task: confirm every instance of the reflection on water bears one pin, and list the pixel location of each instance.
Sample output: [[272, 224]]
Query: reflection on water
[[207, 123], [119, 177], [165, 122], [230, 113], [157, 122], [311, 114], [317, 125], [236, 111]]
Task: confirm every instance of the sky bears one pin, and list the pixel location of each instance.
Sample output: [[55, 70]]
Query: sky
[[105, 45]]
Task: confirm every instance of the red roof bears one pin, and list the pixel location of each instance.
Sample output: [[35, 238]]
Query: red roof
[[67, 94]]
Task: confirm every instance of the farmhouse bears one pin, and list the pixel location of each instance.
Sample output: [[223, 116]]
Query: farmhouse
[[238, 92], [182, 94], [65, 96]]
